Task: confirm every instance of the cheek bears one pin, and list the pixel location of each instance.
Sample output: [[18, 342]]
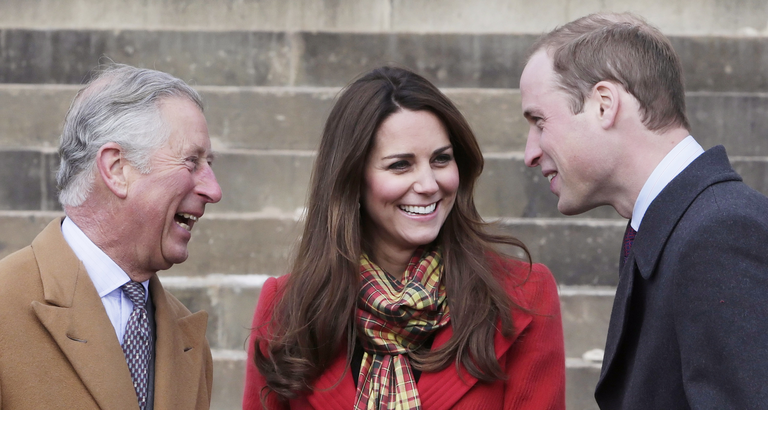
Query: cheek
[[382, 190], [449, 180]]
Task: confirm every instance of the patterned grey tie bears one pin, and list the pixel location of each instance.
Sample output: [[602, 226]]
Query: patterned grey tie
[[137, 341]]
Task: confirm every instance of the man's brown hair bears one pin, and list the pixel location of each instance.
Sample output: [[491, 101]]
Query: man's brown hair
[[625, 49]]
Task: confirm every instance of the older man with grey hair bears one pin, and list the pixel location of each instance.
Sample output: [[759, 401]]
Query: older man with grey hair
[[84, 320]]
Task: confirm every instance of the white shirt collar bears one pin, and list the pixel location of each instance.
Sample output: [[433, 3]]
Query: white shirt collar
[[673, 164], [105, 274]]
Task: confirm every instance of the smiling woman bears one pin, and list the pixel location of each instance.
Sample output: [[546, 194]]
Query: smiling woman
[[398, 298]]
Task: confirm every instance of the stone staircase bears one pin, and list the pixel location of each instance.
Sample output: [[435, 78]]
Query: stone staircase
[[269, 71]]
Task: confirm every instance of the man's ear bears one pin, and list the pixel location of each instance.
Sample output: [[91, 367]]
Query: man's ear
[[113, 167], [607, 98]]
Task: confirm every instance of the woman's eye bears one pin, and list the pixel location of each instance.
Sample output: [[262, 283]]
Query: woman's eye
[[399, 165], [443, 158]]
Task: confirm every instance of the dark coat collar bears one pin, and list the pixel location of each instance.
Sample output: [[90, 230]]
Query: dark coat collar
[[658, 223]]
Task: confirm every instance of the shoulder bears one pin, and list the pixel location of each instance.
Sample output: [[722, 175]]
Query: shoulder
[[271, 293], [724, 210], [531, 286], [20, 285], [273, 289], [18, 273]]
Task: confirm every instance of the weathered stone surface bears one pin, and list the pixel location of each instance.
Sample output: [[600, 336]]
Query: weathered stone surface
[[580, 385], [226, 15], [738, 121], [754, 173], [27, 180], [244, 244], [267, 117], [32, 115], [216, 58], [50, 197], [18, 229], [230, 311], [277, 182], [334, 59], [586, 312], [21, 177], [577, 251], [230, 306], [736, 17], [452, 60], [228, 380], [254, 182], [272, 118]]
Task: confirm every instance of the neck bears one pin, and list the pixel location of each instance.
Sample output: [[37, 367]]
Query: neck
[[92, 219], [647, 150], [393, 260]]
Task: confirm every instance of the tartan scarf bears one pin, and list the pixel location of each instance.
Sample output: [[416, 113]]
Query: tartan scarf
[[395, 317]]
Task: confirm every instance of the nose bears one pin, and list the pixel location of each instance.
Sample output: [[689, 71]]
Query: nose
[[532, 150], [208, 187], [426, 182]]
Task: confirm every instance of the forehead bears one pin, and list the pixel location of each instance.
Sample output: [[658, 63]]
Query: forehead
[[188, 130], [537, 83], [406, 129]]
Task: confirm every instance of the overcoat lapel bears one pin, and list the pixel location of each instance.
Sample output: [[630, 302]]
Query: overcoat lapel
[[75, 318], [335, 389], [657, 226], [619, 312], [180, 351]]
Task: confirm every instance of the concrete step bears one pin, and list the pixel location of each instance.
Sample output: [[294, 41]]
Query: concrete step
[[229, 380], [255, 58], [735, 17], [578, 251], [231, 299], [276, 182], [292, 118]]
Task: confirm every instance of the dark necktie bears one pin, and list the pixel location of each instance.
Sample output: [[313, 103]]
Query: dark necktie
[[137, 341], [629, 237]]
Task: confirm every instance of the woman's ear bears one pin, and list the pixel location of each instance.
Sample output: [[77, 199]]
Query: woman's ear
[[606, 95], [112, 167]]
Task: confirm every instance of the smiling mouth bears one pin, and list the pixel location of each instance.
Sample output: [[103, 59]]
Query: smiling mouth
[[419, 210], [551, 176], [185, 220]]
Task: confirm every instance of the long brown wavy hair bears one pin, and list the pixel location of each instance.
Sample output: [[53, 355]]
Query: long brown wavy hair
[[314, 316]]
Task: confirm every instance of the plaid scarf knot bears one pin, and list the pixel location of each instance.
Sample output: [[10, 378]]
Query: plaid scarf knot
[[394, 317]]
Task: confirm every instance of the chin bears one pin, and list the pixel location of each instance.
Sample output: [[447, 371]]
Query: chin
[[569, 209]]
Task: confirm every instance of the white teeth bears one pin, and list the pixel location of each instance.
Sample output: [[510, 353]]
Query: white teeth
[[183, 225], [551, 176], [419, 209], [188, 216]]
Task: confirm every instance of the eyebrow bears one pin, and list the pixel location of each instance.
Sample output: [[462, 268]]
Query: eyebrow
[[410, 155]]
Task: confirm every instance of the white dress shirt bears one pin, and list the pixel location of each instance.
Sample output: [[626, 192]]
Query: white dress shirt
[[685, 152], [106, 276]]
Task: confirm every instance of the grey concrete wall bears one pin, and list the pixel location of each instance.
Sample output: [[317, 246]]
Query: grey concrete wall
[[701, 17]]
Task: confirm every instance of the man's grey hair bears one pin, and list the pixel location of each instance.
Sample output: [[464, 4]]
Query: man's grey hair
[[120, 104]]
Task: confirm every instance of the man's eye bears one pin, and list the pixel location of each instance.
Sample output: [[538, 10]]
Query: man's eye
[[192, 162]]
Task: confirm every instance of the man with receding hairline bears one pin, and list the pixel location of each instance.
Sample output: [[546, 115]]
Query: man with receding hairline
[[84, 320], [605, 101]]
